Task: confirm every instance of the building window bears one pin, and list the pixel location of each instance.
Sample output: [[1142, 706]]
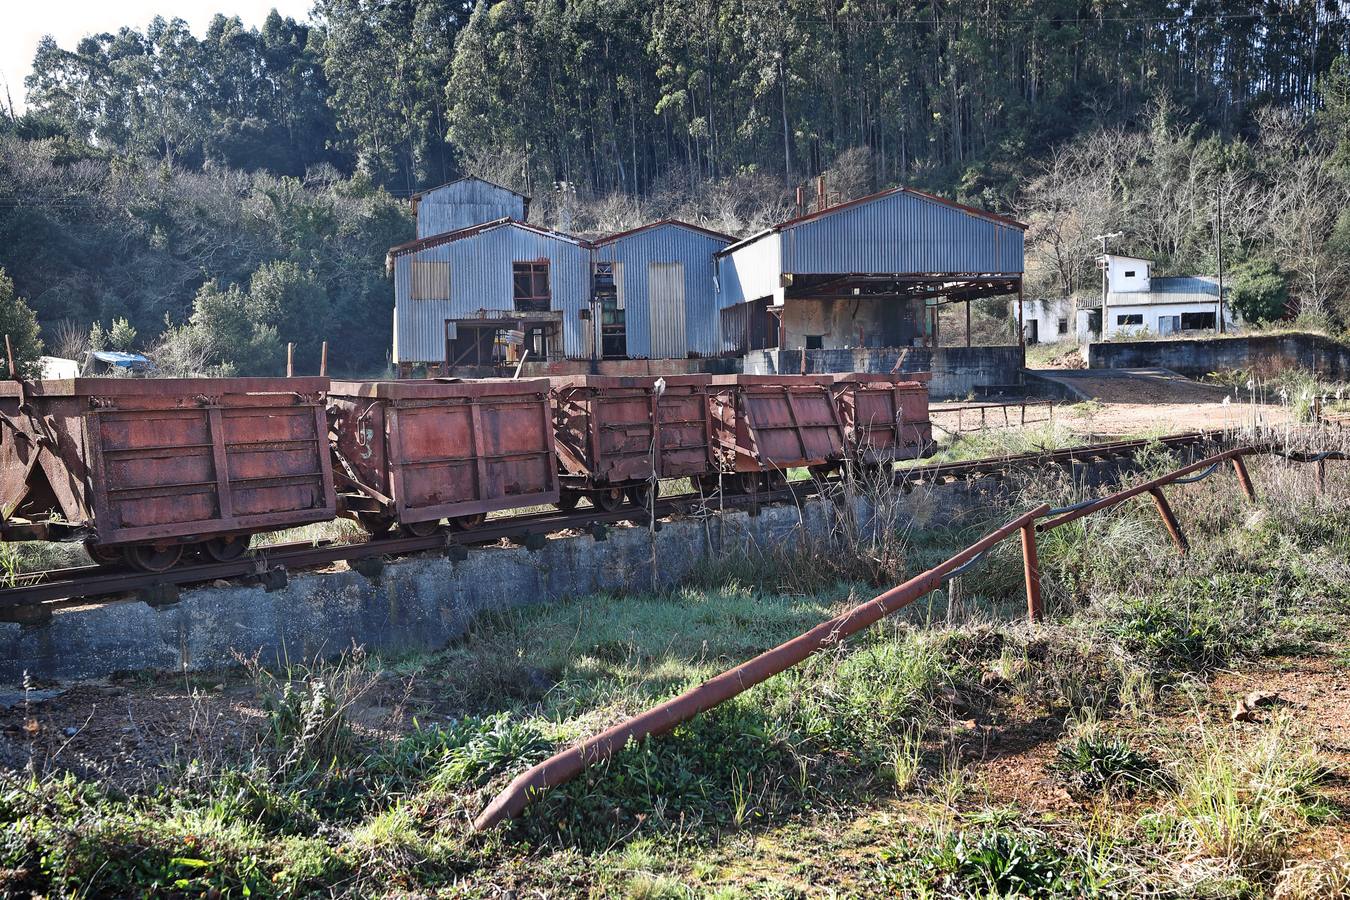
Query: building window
[[1130, 319], [1063, 325], [1129, 273], [815, 342], [430, 280], [1198, 321], [530, 286]]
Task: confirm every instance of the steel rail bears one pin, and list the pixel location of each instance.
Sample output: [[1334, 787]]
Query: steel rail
[[565, 766]]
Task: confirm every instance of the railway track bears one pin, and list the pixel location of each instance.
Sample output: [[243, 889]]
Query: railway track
[[38, 594]]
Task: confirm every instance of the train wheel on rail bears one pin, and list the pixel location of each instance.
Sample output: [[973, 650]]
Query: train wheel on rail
[[775, 480], [151, 558], [468, 523], [709, 484], [568, 499], [608, 499], [104, 556], [742, 482], [643, 495], [420, 529], [226, 548]]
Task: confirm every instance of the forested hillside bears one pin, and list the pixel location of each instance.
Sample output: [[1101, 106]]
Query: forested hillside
[[241, 186]]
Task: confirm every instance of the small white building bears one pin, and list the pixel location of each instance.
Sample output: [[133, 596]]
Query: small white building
[[1139, 303], [1049, 321]]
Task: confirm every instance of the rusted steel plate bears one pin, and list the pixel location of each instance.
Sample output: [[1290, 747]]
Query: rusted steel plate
[[775, 422], [885, 417], [137, 460], [623, 429], [444, 449]]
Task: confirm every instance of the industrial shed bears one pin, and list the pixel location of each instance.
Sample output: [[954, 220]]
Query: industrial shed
[[665, 301], [465, 202], [866, 273], [461, 298]]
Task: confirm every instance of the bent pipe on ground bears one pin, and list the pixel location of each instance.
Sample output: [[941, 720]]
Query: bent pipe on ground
[[566, 765]]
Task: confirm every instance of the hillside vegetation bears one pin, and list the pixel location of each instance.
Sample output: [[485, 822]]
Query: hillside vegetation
[[172, 179]]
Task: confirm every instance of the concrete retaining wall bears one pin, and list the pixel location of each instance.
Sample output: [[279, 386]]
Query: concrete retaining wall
[[957, 371], [1262, 354]]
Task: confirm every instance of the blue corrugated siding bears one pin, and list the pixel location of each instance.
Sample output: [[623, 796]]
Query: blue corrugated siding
[[901, 232], [669, 244], [480, 278], [463, 203]]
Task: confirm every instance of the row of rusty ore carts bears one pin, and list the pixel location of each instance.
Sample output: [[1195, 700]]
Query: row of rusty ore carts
[[147, 472]]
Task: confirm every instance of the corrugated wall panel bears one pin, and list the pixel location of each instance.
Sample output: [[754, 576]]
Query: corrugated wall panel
[[463, 203], [669, 244], [901, 232], [480, 279], [666, 309], [751, 271]]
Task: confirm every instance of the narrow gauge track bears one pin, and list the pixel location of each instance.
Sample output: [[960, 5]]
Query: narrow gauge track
[[43, 592]]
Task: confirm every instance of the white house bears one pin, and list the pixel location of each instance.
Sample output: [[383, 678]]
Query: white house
[[1049, 321], [1138, 302]]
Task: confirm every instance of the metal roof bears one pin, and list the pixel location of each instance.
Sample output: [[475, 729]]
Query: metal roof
[[660, 223], [870, 198], [452, 236]]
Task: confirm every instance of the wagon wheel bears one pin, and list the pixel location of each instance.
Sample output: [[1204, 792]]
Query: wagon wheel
[[607, 499], [744, 482], [375, 524], [643, 495], [227, 548], [709, 484], [775, 480], [149, 558], [420, 529], [568, 500], [468, 523], [104, 556]]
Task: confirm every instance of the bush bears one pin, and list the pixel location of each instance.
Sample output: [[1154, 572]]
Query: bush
[[20, 322], [1258, 291]]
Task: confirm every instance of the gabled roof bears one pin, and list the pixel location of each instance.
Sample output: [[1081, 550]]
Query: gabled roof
[[422, 193], [871, 198], [449, 237], [660, 223]]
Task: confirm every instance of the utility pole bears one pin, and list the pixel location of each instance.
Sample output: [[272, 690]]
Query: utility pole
[[1218, 241], [1104, 238]]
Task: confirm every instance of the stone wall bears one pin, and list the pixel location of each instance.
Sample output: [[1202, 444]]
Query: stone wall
[[957, 371], [1262, 354]]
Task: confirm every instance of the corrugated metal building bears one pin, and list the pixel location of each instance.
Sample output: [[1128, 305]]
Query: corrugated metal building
[[861, 274], [465, 202], [868, 273], [666, 289], [457, 294]]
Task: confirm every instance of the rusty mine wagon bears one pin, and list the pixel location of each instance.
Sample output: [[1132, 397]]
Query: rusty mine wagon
[[618, 434], [414, 453], [143, 470]]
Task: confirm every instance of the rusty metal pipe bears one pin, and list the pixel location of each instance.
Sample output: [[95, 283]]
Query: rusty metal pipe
[[1119, 496], [564, 766], [1244, 480], [1031, 569], [1170, 520]]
